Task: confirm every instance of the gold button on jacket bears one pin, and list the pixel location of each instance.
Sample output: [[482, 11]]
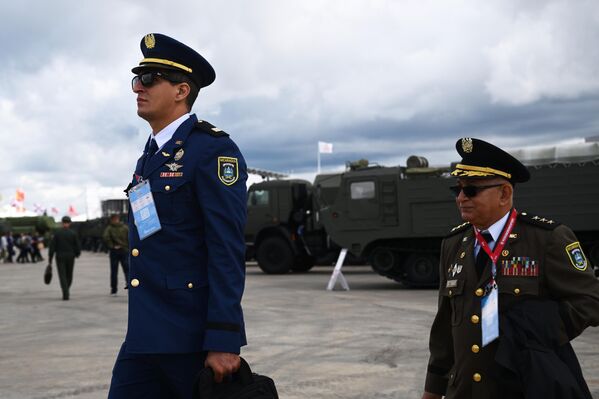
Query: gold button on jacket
[[134, 283], [475, 348], [190, 285], [474, 319], [135, 252], [477, 377]]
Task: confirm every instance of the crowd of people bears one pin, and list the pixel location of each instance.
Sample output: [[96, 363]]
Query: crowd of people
[[29, 246]]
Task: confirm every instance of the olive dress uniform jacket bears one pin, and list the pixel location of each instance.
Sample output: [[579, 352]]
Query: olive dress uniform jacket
[[187, 280], [459, 366]]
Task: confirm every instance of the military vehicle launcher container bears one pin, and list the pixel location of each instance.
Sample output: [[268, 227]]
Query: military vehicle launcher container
[[396, 217]]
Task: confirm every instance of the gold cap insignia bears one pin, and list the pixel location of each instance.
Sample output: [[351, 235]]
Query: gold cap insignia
[[150, 40], [467, 145]]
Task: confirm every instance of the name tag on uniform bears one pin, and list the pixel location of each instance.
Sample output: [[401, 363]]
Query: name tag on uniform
[[144, 210], [490, 316]]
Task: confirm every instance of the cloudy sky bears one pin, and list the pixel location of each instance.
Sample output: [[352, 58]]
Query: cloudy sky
[[380, 79]]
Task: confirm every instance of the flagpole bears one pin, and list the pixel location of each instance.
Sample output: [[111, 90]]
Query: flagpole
[[318, 158]]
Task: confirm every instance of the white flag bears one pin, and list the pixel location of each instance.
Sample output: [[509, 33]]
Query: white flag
[[325, 148]]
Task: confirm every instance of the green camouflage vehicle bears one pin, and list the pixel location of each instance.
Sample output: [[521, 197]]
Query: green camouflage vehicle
[[28, 224], [396, 217]]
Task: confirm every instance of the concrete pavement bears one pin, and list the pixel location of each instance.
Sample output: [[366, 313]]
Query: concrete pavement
[[370, 342]]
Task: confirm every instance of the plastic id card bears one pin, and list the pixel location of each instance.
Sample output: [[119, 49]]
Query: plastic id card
[[144, 210], [490, 316]]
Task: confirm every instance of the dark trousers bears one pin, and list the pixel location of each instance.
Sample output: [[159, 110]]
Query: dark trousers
[[154, 376], [65, 265], [116, 256]]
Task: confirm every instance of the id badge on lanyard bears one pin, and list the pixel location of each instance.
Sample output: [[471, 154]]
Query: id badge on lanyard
[[490, 302], [144, 210], [490, 316]]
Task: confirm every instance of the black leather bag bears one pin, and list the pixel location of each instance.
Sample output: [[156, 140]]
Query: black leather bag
[[243, 385], [48, 274]]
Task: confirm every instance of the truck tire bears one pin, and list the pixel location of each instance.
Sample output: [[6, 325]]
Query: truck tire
[[274, 256], [422, 269], [384, 260], [303, 263]]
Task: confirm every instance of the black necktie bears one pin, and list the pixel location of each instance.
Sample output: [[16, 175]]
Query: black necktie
[[482, 259], [151, 151]]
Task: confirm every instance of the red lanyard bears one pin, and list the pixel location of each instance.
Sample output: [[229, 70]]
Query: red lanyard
[[494, 255]]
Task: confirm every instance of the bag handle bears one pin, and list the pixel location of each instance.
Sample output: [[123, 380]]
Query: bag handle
[[204, 383]]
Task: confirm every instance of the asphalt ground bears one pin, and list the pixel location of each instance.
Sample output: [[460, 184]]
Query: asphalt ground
[[370, 342]]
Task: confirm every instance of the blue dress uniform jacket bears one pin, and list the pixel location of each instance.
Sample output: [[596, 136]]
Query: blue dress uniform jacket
[[187, 280], [541, 260]]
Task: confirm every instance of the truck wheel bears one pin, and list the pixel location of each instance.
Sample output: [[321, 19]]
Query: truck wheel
[[303, 263], [383, 260], [274, 256], [422, 269]]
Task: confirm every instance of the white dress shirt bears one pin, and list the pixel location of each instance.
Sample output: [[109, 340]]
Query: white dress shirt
[[167, 133], [495, 231]]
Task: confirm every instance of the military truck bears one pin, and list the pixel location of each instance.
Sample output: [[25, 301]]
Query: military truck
[[396, 217], [28, 224]]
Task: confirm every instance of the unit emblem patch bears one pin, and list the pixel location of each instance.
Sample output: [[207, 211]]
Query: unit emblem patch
[[228, 170], [574, 251]]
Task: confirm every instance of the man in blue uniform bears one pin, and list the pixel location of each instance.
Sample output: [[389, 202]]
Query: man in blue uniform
[[186, 275]]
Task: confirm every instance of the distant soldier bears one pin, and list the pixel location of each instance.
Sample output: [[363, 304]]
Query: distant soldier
[[65, 244], [116, 238], [515, 289]]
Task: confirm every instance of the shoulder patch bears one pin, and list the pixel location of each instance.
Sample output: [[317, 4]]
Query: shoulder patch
[[458, 229], [209, 128], [539, 221], [577, 258], [228, 170]]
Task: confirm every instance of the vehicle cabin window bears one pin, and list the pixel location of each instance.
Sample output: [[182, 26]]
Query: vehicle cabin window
[[362, 190], [258, 198]]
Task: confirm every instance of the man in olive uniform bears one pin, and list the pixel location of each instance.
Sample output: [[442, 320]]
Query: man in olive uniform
[[65, 244], [188, 212], [492, 267], [117, 240]]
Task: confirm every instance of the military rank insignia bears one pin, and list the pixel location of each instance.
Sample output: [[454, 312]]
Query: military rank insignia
[[520, 266], [579, 261], [228, 170]]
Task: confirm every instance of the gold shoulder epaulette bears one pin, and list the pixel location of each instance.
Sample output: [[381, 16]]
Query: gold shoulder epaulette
[[209, 128], [538, 220], [459, 228]]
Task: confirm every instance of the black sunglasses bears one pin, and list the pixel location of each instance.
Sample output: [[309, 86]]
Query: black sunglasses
[[147, 79], [471, 191]]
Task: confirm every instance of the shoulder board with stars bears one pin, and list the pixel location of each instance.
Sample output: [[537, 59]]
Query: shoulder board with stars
[[458, 229], [209, 128], [542, 222]]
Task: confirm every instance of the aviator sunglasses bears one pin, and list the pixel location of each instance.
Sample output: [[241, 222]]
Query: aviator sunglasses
[[147, 79], [471, 191]]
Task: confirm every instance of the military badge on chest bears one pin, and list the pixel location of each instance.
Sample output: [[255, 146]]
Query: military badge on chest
[[173, 168], [454, 270], [228, 170], [520, 266]]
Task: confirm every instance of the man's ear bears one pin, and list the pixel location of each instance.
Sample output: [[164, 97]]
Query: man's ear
[[507, 191], [182, 92]]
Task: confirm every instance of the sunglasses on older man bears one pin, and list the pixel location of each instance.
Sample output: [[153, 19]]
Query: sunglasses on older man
[[471, 191], [147, 79]]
